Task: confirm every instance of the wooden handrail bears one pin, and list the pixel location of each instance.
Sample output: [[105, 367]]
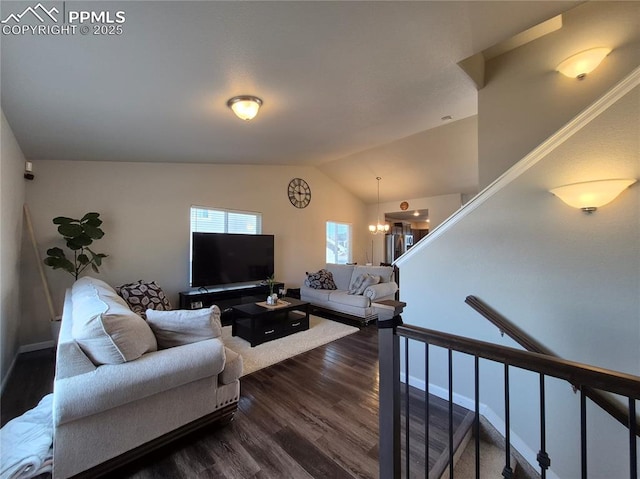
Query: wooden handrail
[[574, 372], [505, 326], [615, 409]]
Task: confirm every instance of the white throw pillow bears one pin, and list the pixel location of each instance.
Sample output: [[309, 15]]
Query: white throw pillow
[[104, 327], [181, 326]]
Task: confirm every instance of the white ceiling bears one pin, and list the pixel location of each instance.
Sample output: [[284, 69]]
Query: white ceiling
[[355, 88]]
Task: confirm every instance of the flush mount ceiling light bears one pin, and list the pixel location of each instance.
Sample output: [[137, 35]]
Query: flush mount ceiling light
[[379, 227], [580, 64], [245, 107], [590, 195]]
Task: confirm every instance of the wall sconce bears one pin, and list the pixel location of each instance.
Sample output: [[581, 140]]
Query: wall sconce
[[591, 195], [580, 64], [245, 107]]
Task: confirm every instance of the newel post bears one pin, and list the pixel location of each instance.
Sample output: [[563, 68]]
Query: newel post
[[389, 387]]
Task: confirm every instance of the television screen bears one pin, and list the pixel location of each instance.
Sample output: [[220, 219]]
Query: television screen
[[219, 258]]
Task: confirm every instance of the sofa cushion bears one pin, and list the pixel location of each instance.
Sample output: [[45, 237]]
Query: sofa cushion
[[181, 326], [142, 295], [342, 274], [104, 327], [343, 297], [311, 294], [323, 279], [362, 282]]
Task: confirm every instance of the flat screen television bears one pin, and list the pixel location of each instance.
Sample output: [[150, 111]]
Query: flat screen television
[[220, 258]]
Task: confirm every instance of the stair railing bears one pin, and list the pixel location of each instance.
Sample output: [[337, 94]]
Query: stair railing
[[615, 409], [583, 376]]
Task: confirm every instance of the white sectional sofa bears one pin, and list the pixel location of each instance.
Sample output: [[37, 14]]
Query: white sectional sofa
[[340, 302], [108, 414]]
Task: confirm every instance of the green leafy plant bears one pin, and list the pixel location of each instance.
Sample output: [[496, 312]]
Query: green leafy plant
[[79, 235], [271, 283]]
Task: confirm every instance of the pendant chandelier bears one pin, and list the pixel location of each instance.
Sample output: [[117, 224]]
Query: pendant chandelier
[[379, 227]]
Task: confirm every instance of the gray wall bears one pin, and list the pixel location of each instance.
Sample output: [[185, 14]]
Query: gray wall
[[12, 193]]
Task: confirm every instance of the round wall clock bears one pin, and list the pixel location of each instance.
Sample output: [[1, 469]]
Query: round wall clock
[[404, 206], [299, 193]]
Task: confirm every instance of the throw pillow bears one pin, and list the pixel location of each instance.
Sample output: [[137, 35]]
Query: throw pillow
[[104, 327], [141, 296], [355, 286], [178, 327], [323, 279], [362, 282], [369, 280]]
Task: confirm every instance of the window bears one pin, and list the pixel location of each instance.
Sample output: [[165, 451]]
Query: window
[[208, 220], [338, 242]]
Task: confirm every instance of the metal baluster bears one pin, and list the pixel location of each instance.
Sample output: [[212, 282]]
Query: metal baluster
[[477, 414], [507, 472], [450, 414], [633, 431], [583, 432], [406, 406], [426, 410], [543, 457]]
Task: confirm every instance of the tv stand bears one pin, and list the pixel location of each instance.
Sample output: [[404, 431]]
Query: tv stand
[[226, 296]]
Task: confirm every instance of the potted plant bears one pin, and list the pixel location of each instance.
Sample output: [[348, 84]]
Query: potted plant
[[271, 299], [79, 235]]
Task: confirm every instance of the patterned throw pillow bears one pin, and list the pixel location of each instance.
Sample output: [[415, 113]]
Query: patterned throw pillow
[[141, 296], [362, 282], [323, 279], [355, 286]]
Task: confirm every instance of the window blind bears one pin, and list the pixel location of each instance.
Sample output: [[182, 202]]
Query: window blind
[[209, 220]]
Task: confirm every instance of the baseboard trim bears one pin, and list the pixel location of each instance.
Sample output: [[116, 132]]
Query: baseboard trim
[[28, 348], [522, 448]]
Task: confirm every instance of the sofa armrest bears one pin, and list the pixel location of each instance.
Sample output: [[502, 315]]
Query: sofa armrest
[[232, 367], [112, 385], [381, 290]]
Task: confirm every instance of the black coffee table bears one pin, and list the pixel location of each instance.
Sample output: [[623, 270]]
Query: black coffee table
[[259, 324]]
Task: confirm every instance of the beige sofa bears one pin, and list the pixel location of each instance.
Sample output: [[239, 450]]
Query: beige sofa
[[352, 306], [108, 414]]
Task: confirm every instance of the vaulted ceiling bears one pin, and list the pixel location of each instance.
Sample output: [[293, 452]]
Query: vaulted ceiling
[[357, 89]]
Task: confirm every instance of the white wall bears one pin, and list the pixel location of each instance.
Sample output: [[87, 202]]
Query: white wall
[[12, 193], [525, 100], [145, 209], [570, 280]]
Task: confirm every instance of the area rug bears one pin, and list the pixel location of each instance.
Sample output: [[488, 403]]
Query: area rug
[[321, 331]]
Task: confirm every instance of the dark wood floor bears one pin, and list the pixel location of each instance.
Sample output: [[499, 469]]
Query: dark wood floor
[[30, 381], [311, 416]]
